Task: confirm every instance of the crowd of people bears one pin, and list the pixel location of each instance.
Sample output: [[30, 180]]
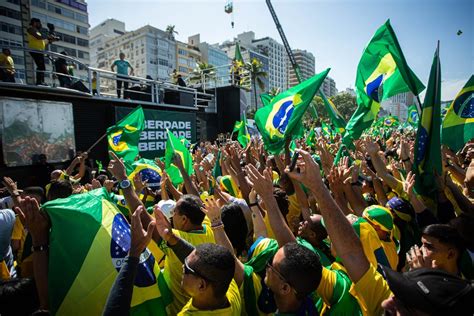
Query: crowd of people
[[288, 234]]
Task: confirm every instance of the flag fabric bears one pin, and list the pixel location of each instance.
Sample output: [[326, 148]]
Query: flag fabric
[[326, 130], [412, 115], [458, 124], [382, 72], [124, 136], [428, 143], [311, 137], [281, 118], [336, 118], [266, 99], [89, 241], [99, 165], [174, 146], [148, 171], [243, 136], [238, 54]]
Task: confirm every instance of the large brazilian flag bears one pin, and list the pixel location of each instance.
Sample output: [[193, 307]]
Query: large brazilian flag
[[281, 118], [412, 115], [458, 124], [123, 137], [89, 241], [382, 73]]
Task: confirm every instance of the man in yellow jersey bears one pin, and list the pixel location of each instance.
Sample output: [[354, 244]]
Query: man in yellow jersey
[[37, 41]]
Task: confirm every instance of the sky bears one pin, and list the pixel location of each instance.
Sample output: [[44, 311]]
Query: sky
[[335, 31]]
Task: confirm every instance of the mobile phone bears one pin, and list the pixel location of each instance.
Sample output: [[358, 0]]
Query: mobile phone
[[294, 160]]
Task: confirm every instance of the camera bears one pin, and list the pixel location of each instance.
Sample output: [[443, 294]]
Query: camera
[[52, 33]]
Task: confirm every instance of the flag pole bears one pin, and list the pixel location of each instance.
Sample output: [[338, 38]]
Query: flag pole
[[95, 144]]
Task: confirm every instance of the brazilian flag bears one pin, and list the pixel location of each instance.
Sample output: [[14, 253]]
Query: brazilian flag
[[124, 136], [428, 143], [310, 138], [148, 171], [281, 118], [412, 115], [238, 54], [243, 135], [382, 73], [326, 130], [175, 146], [336, 118], [89, 241], [458, 124]]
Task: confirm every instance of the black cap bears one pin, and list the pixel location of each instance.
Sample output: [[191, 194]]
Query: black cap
[[432, 290]]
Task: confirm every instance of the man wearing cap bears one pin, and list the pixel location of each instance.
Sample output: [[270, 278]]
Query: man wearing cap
[[418, 292]]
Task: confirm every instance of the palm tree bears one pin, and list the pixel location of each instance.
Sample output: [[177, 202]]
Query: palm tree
[[201, 72], [273, 92], [170, 30], [255, 68]]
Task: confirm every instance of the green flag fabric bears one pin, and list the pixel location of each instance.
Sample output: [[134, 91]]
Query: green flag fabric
[[175, 146], [336, 118], [243, 136], [326, 130], [238, 54], [428, 143], [382, 73], [281, 118], [124, 136], [412, 115], [88, 243], [217, 171], [458, 124]]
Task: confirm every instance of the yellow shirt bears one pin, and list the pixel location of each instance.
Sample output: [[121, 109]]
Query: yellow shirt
[[294, 211], [6, 63], [173, 271], [371, 291], [390, 249], [34, 43], [270, 233], [233, 310]]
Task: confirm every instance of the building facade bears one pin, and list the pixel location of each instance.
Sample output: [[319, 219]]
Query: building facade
[[150, 51], [329, 87], [187, 57], [277, 62], [100, 34], [11, 34], [305, 61]]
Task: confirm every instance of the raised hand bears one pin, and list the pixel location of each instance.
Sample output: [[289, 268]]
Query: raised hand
[[310, 174], [160, 163], [138, 184], [11, 186], [35, 220], [116, 167], [261, 183], [162, 224], [140, 238], [95, 184], [108, 185], [212, 210]]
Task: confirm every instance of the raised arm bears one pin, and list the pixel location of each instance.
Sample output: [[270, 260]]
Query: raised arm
[[263, 185], [343, 236], [373, 150]]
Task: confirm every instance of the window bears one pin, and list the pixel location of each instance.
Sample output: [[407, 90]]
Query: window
[[182, 61], [118, 32], [81, 30], [39, 3], [20, 73], [19, 60], [67, 38], [5, 42], [14, 1], [182, 52], [82, 54], [162, 62], [10, 28], [183, 69], [10, 13], [81, 17], [82, 42]]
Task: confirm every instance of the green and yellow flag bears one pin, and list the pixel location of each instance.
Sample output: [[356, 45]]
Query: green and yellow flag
[[238, 54], [243, 135], [175, 146], [281, 118], [89, 242], [382, 72], [458, 124], [428, 143], [336, 118], [124, 136], [326, 130], [412, 115]]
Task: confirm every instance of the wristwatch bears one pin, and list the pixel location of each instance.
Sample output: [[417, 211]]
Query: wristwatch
[[125, 184]]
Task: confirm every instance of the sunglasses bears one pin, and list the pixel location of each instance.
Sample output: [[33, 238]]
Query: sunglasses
[[189, 270]]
